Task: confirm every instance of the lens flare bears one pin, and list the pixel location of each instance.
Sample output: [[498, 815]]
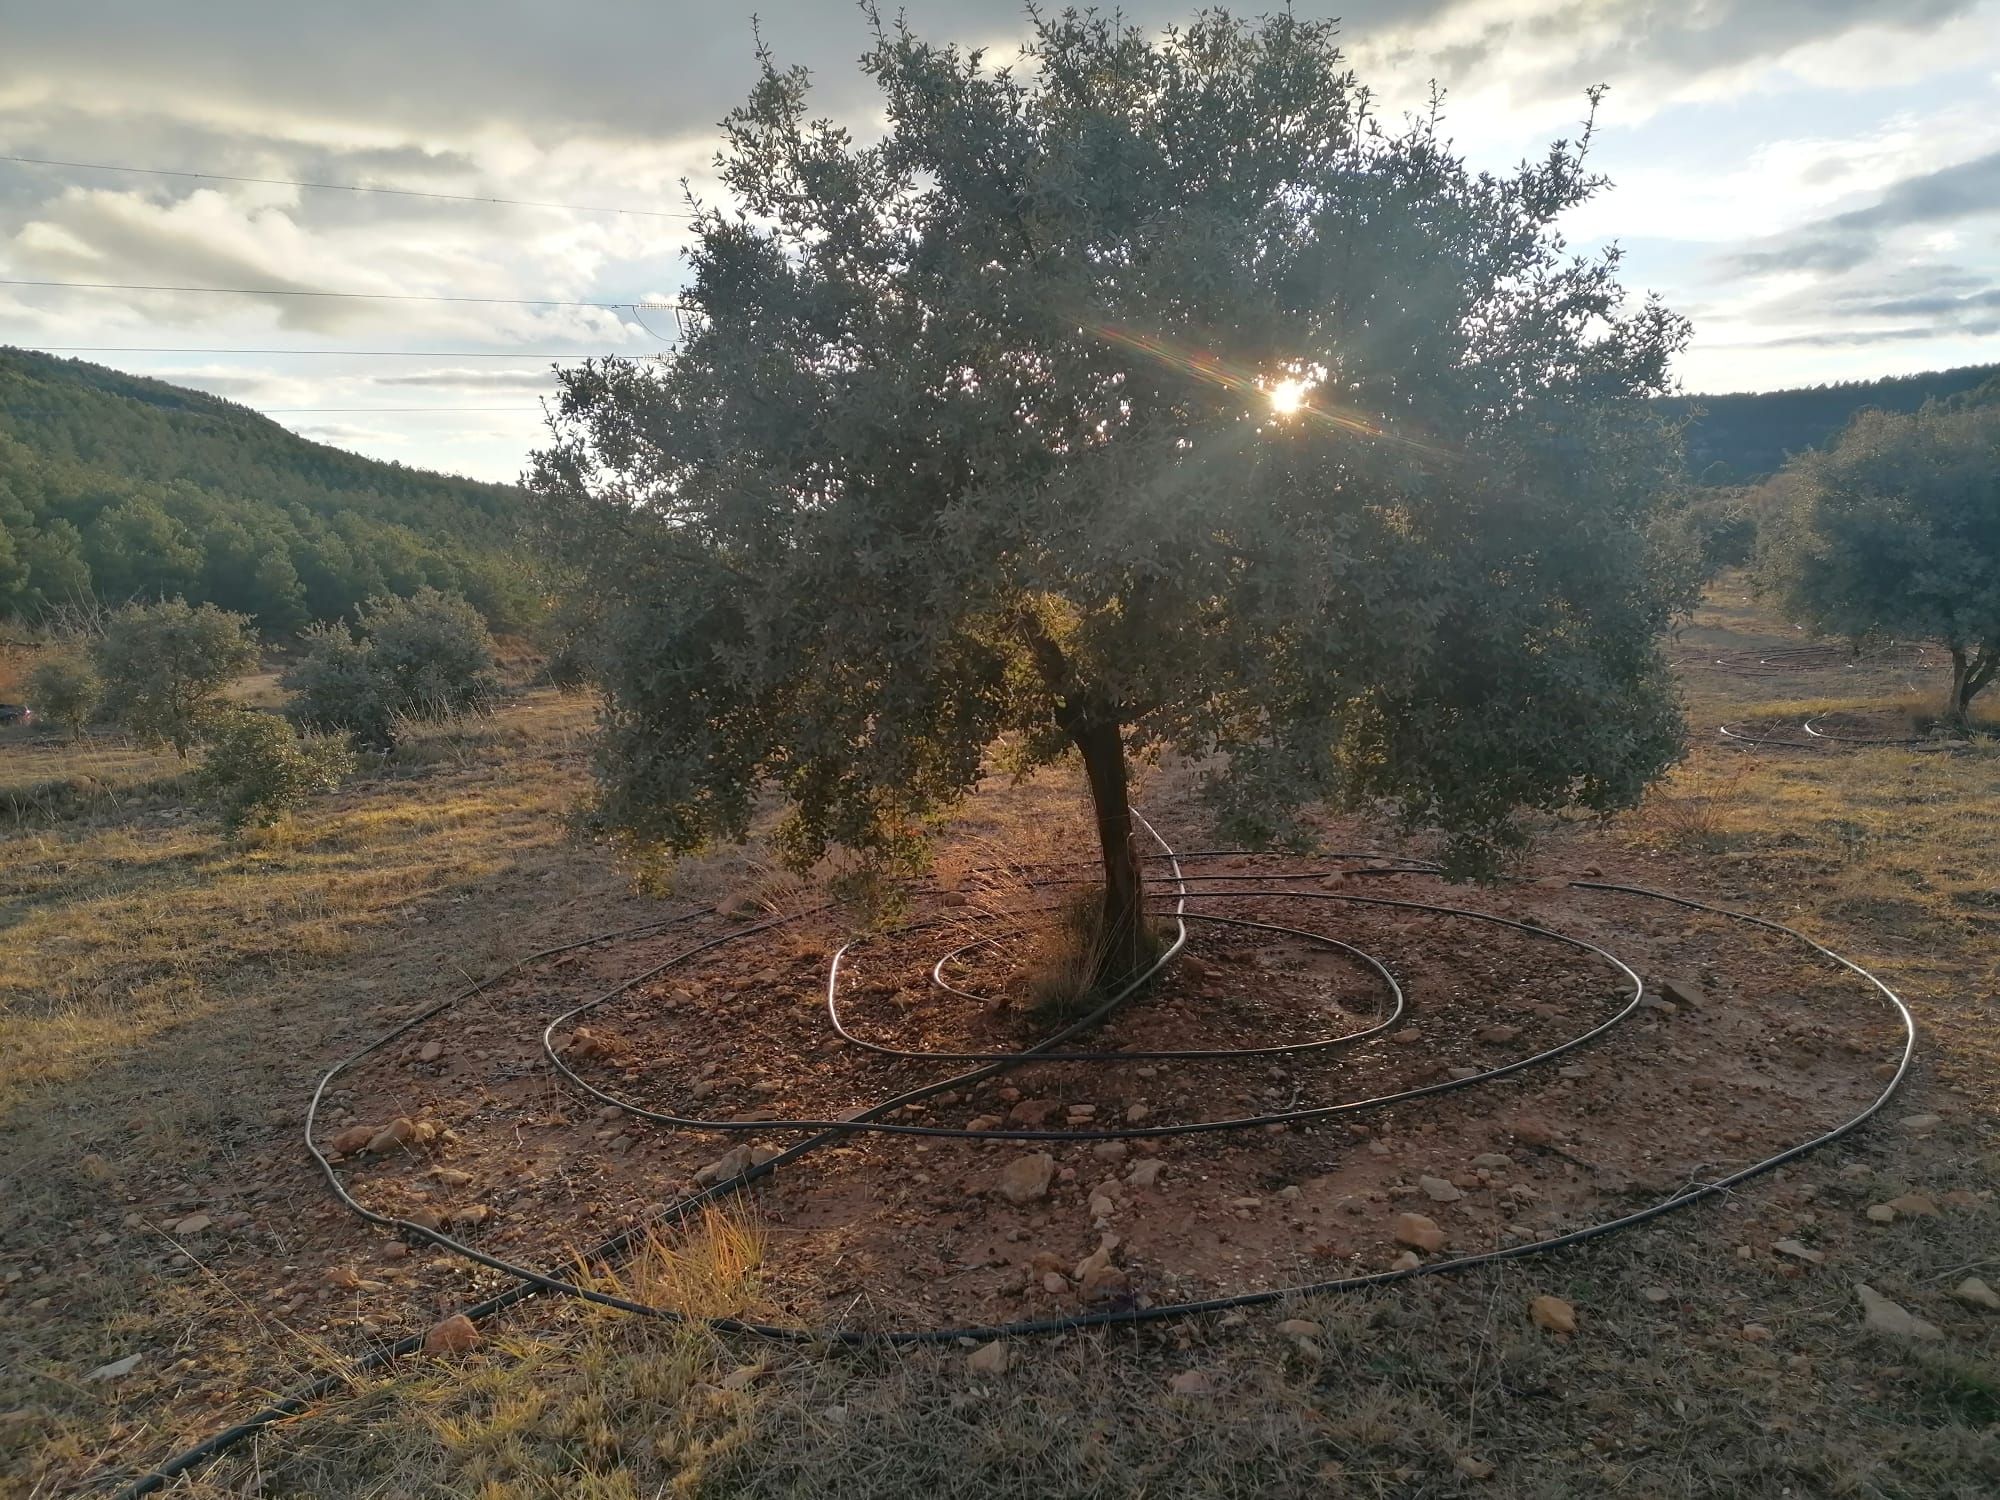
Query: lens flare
[[1287, 396]]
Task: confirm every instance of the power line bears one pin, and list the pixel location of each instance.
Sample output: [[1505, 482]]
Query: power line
[[347, 187], [279, 291], [357, 353]]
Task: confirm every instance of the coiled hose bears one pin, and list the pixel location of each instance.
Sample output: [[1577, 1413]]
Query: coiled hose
[[530, 1282]]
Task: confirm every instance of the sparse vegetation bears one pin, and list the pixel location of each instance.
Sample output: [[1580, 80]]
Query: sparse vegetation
[[258, 770], [205, 981], [65, 691], [405, 660]]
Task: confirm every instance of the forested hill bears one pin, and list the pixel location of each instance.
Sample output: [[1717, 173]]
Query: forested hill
[[1743, 436], [115, 487]]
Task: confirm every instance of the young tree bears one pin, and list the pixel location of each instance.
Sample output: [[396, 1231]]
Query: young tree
[[165, 665], [425, 657], [1151, 394], [64, 690], [1894, 530], [258, 770]]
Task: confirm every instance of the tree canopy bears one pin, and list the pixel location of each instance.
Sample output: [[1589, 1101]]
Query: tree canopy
[[115, 488], [164, 667], [1894, 530], [972, 436]]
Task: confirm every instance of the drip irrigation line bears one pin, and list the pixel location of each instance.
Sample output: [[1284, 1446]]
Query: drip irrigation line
[[530, 1282]]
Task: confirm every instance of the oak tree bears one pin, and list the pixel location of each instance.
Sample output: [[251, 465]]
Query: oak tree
[[1893, 529], [1148, 393]]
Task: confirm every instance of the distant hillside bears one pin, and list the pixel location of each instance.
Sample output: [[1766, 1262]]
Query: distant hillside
[[116, 487], [1742, 437]]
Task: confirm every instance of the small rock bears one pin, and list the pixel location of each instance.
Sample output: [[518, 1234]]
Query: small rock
[[1192, 1383], [1756, 1333], [742, 1377], [1136, 1112], [1655, 1294], [1499, 1035], [1492, 1161], [455, 1335], [351, 1141], [401, 1131], [733, 1163], [1921, 1122], [1145, 1173], [1881, 1213], [192, 1224], [430, 1052], [1975, 1293], [989, 1359], [1460, 1074], [1110, 1150], [1682, 992], [1409, 1260], [115, 1370], [1532, 1129], [1419, 1233], [1026, 1178], [1892, 1319], [1553, 1314], [1300, 1328], [1915, 1206], [1474, 1468], [1798, 1251], [1055, 1283], [1438, 1190], [1032, 1114], [1407, 1035]]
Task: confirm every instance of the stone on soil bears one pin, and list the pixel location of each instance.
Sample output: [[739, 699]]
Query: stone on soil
[[1975, 1293], [1438, 1190], [1419, 1233], [1892, 1319], [1553, 1314], [989, 1359], [455, 1335], [1026, 1179]]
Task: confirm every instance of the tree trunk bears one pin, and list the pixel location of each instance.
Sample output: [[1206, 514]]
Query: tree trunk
[[1960, 695], [1126, 945]]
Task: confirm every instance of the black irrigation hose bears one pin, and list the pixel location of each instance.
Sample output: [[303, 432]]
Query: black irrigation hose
[[531, 1282], [1824, 739]]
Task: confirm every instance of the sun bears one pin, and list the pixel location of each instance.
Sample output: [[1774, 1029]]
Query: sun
[[1287, 396]]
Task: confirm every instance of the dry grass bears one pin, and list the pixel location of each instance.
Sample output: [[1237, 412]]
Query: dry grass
[[182, 993]]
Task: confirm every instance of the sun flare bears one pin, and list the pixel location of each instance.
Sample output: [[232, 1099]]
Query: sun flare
[[1287, 396]]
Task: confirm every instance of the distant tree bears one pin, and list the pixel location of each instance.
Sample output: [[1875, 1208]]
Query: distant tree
[[424, 657], [58, 574], [64, 690], [164, 667], [139, 551], [1894, 530], [258, 770], [1152, 394]]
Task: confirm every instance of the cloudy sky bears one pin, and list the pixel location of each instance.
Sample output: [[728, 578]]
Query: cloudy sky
[[1815, 182]]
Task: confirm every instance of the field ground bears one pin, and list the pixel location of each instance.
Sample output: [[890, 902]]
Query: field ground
[[169, 999]]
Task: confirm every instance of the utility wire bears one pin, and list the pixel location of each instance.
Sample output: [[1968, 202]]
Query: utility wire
[[278, 291], [357, 353], [347, 187]]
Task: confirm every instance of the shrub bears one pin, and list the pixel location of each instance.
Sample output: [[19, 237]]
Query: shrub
[[258, 770], [165, 665], [425, 657], [64, 690]]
